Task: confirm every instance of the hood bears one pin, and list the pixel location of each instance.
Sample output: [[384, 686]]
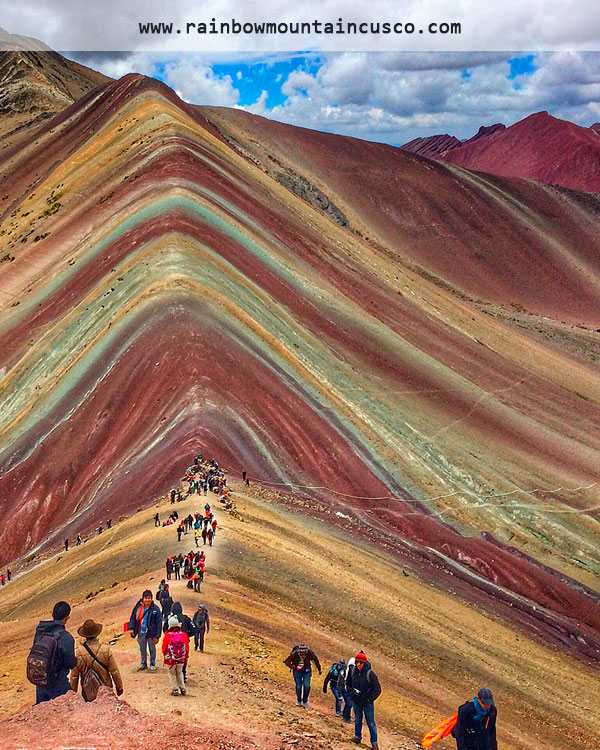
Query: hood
[[176, 608], [49, 626], [351, 661]]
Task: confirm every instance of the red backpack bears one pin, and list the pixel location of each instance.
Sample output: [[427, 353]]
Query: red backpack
[[176, 649]]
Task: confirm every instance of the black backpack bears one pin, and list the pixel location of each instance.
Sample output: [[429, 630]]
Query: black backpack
[[41, 662]]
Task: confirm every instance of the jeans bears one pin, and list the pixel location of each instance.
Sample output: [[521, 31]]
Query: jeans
[[347, 712], [143, 641], [302, 680], [61, 687], [338, 698], [369, 713]]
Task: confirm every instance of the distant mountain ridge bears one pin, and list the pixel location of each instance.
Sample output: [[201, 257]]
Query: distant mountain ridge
[[539, 147], [37, 85]]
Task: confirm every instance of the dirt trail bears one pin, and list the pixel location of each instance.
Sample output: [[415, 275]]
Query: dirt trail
[[274, 578]]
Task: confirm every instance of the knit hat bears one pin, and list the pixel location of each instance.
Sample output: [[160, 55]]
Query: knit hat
[[361, 656], [174, 622]]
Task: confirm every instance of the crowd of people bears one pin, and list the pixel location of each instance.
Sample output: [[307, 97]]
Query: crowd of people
[[56, 665]]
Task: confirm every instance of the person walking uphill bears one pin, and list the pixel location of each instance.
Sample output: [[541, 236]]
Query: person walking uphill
[[145, 624], [475, 727], [299, 661], [331, 679], [363, 688], [97, 657], [176, 650], [52, 655]]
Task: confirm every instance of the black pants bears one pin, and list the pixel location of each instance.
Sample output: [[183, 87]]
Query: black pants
[[199, 639], [177, 574]]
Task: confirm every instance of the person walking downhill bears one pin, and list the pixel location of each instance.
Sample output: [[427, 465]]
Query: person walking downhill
[[201, 622], [52, 656], [176, 651], [475, 727], [97, 657], [210, 535], [363, 688], [331, 679], [145, 623], [299, 661]]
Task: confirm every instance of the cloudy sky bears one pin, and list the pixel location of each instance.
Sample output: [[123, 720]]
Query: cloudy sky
[[342, 85], [390, 97]]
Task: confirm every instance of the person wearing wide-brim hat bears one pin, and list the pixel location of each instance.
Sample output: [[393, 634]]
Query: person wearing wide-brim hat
[[91, 654]]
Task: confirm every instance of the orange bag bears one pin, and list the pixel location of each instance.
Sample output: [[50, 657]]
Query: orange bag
[[442, 730]]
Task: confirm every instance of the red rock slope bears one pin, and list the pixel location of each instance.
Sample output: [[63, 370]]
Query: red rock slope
[[540, 147]]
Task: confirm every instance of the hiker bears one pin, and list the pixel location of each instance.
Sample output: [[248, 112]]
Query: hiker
[[204, 535], [97, 657], [156, 519], [52, 655], [145, 623], [169, 567], [331, 679], [173, 494], [100, 529], [214, 526], [210, 534], [299, 661], [166, 602], [341, 689], [197, 537], [179, 531], [3, 579], [363, 688], [8, 573], [67, 544], [475, 727], [201, 622], [187, 627], [176, 650], [109, 523], [176, 564], [78, 540]]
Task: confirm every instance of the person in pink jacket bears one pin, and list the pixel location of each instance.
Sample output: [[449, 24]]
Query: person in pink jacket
[[176, 651]]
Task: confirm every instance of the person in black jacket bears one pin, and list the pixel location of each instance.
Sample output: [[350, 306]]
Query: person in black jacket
[[65, 658], [145, 623], [201, 623], [331, 679], [475, 727], [363, 688], [299, 661]]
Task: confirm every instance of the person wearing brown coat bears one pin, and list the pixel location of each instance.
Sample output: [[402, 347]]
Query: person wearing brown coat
[[90, 631]]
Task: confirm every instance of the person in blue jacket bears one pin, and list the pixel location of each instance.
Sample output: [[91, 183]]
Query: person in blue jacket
[[145, 624]]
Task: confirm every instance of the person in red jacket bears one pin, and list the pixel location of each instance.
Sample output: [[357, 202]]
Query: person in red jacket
[[176, 651]]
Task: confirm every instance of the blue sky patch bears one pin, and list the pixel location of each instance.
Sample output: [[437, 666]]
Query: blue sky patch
[[521, 66]]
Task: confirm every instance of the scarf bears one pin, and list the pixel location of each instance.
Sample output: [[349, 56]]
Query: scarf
[[481, 714]]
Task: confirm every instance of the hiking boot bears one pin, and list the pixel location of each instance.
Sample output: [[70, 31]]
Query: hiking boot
[[356, 740], [375, 747], [175, 691], [142, 667], [152, 668], [305, 704], [182, 691], [338, 713], [298, 703]]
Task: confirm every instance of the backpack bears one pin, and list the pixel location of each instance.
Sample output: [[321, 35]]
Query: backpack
[[41, 662], [334, 672], [175, 653], [91, 681]]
